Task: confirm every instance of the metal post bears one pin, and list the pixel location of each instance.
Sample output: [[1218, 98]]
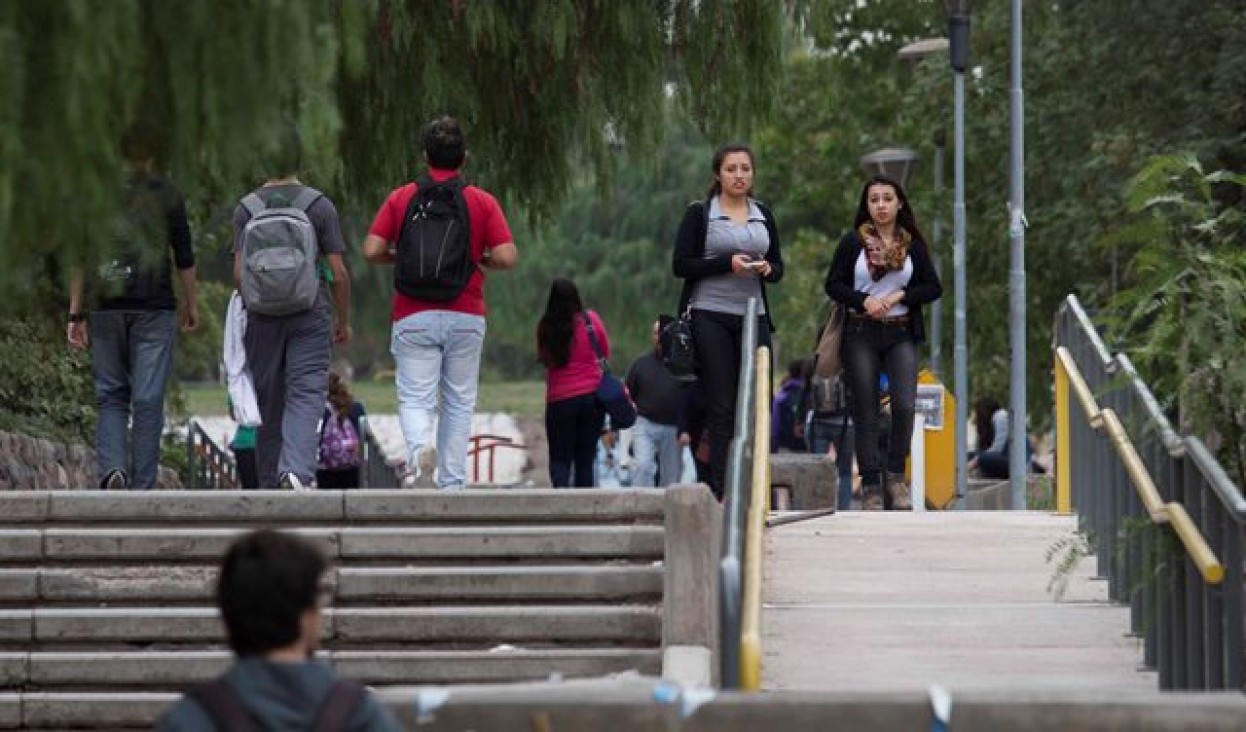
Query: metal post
[[936, 308], [1017, 467], [960, 354]]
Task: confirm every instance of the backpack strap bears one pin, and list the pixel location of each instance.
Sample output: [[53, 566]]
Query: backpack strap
[[342, 699], [222, 705], [253, 204], [306, 198]]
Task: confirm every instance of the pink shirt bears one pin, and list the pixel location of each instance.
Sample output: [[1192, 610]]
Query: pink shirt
[[581, 374]]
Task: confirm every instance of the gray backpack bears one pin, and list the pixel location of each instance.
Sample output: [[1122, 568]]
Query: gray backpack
[[279, 253]]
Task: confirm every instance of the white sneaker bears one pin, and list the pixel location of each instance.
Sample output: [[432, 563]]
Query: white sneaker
[[426, 461], [291, 482]]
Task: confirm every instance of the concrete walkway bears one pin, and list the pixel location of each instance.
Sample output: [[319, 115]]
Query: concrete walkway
[[897, 602]]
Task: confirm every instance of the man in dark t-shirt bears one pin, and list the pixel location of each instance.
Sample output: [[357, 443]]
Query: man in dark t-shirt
[[132, 325], [658, 396]]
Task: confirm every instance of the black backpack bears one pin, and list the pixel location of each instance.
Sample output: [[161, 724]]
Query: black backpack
[[140, 258], [222, 704], [434, 252]]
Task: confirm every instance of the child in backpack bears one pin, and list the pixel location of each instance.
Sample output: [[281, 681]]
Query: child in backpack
[[342, 434]]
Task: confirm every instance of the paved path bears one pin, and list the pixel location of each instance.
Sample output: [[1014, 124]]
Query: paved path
[[886, 601]]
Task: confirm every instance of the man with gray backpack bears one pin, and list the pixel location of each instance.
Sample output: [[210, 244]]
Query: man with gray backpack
[[287, 244]]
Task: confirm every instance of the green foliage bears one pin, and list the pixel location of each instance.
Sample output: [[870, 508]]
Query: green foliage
[[1183, 315], [45, 387], [1066, 553]]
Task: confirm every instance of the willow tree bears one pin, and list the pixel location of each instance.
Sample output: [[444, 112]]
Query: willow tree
[[224, 91]]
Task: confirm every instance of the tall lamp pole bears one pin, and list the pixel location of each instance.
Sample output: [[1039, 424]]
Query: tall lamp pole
[[958, 39], [912, 54], [1017, 467]]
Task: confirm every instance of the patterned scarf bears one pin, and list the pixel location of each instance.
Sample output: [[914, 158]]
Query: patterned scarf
[[883, 258]]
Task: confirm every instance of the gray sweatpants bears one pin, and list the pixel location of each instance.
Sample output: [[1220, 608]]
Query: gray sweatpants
[[289, 362]]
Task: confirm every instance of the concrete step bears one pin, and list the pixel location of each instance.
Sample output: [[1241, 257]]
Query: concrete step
[[268, 508], [485, 625], [615, 705], [173, 670], [132, 585], [47, 546]]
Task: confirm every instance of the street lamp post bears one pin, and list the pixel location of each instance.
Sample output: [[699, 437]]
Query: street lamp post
[[1017, 467], [958, 41], [912, 54], [896, 163]]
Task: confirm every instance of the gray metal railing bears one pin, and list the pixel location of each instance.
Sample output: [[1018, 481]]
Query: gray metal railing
[[1190, 619], [739, 461], [210, 466]]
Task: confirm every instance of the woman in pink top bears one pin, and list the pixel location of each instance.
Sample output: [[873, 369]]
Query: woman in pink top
[[573, 418]]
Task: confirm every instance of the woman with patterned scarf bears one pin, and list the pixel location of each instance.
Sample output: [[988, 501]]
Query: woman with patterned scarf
[[883, 272]]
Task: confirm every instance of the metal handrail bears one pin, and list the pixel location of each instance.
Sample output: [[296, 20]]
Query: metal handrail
[[210, 467], [729, 566], [1106, 420], [1172, 441], [1186, 603], [759, 508], [1217, 479], [494, 441]]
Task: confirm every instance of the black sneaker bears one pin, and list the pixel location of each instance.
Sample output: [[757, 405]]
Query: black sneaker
[[116, 480]]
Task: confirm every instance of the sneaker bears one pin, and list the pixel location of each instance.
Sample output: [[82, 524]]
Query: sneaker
[[898, 491], [426, 461], [116, 480], [873, 498], [291, 482], [409, 478]]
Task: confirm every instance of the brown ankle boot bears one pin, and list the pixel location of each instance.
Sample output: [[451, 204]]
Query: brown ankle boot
[[898, 490], [872, 498]]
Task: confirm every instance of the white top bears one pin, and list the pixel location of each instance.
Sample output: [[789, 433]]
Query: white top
[[889, 283]]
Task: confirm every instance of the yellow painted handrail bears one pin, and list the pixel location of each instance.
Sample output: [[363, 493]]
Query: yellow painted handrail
[[759, 506], [1106, 420]]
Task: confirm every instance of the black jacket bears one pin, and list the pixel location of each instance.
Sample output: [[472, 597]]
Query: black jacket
[[689, 260], [924, 286]]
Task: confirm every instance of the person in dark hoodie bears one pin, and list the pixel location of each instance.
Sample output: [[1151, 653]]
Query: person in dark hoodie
[[268, 593]]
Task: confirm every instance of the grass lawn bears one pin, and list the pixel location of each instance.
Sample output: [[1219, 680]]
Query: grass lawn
[[508, 397]]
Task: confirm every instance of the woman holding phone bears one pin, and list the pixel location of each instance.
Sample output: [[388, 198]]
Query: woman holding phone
[[726, 250]]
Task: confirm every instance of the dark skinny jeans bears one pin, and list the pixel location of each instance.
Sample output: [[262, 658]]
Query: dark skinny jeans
[[718, 338], [869, 348], [572, 427]]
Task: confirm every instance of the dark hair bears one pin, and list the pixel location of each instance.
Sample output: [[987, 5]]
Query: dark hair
[[983, 410], [716, 162], [268, 580], [664, 320], [905, 218], [553, 332], [443, 143], [796, 368]]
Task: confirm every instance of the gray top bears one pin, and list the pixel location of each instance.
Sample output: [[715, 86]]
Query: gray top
[[885, 285], [729, 293], [283, 696]]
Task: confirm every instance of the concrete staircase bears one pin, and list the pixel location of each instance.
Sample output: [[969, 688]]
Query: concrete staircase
[[107, 608]]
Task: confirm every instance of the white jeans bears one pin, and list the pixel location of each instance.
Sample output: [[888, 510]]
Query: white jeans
[[655, 448], [437, 352]]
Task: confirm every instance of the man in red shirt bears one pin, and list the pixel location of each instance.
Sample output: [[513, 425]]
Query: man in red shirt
[[437, 342]]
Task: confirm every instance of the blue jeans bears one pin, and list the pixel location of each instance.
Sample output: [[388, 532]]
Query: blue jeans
[[658, 456], [825, 431], [132, 353], [437, 352], [572, 427]]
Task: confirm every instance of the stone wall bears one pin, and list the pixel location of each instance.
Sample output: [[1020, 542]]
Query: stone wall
[[33, 463]]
